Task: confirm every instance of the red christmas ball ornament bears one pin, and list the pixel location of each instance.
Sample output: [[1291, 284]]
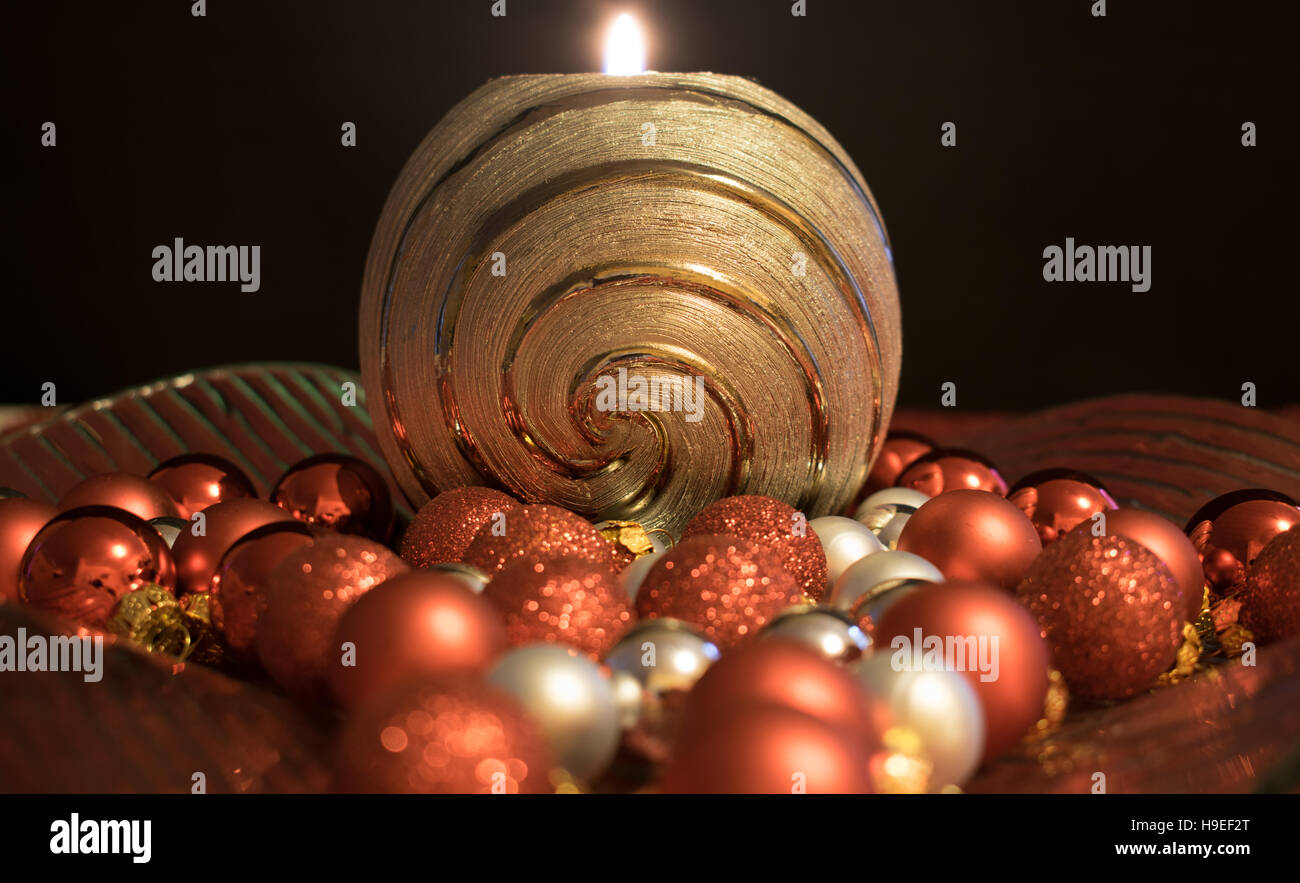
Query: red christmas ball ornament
[[773, 524], [1170, 545], [83, 561], [440, 533], [459, 736], [1058, 500], [563, 601], [538, 533], [197, 555], [900, 450], [769, 749], [238, 585], [1232, 529], [418, 623], [337, 492], [197, 481], [1110, 611], [1270, 604], [950, 469], [20, 520], [306, 595], [972, 535], [728, 588], [136, 495], [982, 632]]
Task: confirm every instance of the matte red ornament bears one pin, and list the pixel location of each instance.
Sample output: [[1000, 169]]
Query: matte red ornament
[[1170, 545], [455, 736], [950, 469], [1232, 529], [538, 533], [418, 623], [197, 481], [20, 520], [136, 495], [956, 612], [1110, 611], [223, 524], [306, 595], [774, 524], [900, 450], [440, 533], [238, 585], [338, 492], [1058, 500], [972, 535], [564, 601], [1270, 604], [727, 587], [83, 561]]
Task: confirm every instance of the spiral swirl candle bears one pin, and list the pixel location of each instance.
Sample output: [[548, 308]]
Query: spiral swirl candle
[[630, 296]]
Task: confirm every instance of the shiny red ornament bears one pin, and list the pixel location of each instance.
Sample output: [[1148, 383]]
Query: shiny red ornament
[[338, 492], [197, 556], [1058, 500], [136, 495], [774, 524], [418, 623], [727, 587], [973, 535], [900, 450], [961, 615], [1170, 545], [1110, 611], [1232, 529], [20, 520], [306, 595], [538, 533], [560, 602], [440, 533], [197, 481], [950, 469], [456, 736], [238, 585], [1270, 604], [82, 562]]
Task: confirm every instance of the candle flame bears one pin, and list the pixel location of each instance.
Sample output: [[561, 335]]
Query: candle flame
[[624, 48]]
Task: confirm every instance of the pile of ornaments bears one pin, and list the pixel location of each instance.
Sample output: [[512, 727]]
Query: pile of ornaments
[[509, 647]]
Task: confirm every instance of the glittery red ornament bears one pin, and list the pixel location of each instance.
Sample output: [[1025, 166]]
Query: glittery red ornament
[[419, 623], [223, 524], [727, 587], [458, 736], [1170, 545], [136, 495], [20, 520], [538, 533], [238, 585], [773, 524], [1271, 600], [900, 450], [1110, 610], [444, 527], [564, 601], [81, 563], [950, 469], [972, 535], [197, 481], [1232, 529], [1058, 500], [339, 492], [965, 617]]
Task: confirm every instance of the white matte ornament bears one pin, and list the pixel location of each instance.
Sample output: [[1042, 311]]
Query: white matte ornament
[[884, 567], [634, 574], [828, 632], [892, 496], [844, 541]]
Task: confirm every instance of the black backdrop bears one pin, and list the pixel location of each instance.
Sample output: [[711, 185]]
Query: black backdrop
[[225, 129]]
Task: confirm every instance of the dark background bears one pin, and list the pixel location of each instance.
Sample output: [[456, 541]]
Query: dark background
[[225, 129]]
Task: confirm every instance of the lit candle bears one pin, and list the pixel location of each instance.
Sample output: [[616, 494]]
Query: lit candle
[[630, 294]]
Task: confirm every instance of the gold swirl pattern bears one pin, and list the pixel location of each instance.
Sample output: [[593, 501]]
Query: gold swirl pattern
[[558, 244]]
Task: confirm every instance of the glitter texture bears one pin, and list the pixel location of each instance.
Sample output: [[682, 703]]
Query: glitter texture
[[453, 737], [727, 587], [442, 530], [1271, 601], [539, 533], [1110, 611], [565, 602], [773, 524]]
